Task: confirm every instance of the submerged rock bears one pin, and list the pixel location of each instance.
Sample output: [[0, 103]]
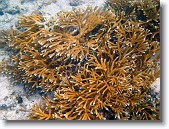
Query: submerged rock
[[1, 13], [3, 107], [20, 100], [13, 10], [75, 2], [3, 4]]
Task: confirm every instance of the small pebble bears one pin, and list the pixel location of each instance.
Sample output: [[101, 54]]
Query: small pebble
[[6, 97], [17, 111]]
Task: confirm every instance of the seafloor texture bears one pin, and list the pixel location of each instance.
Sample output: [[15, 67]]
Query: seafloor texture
[[92, 63]]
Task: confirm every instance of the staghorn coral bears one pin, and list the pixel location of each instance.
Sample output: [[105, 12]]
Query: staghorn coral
[[94, 64]]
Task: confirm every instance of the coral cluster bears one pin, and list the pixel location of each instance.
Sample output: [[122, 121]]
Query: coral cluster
[[93, 64]]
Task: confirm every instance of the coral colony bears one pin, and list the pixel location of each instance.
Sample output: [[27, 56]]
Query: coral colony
[[91, 64]]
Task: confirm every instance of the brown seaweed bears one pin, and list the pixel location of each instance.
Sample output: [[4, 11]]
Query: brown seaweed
[[91, 60]]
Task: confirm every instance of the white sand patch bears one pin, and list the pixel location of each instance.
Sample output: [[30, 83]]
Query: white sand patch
[[156, 85], [10, 107]]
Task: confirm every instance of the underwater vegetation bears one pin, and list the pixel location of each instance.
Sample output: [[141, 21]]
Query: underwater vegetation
[[91, 64]]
